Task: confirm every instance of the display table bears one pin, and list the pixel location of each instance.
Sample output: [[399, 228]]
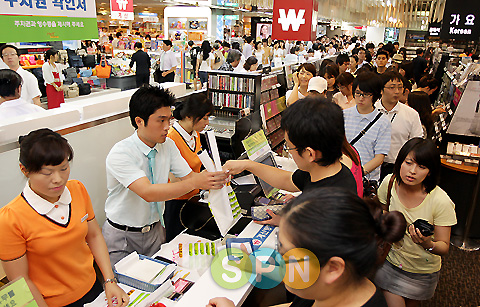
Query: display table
[[467, 206]]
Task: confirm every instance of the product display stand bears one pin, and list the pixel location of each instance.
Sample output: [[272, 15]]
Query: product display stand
[[464, 242], [272, 104]]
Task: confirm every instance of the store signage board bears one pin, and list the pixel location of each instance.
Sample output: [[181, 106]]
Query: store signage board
[[121, 9], [434, 29], [295, 20], [47, 20], [461, 20]]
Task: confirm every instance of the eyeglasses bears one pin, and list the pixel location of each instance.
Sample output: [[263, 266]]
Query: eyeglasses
[[400, 88], [288, 149], [363, 95], [10, 54]]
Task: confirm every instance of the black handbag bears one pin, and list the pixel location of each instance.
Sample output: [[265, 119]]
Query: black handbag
[[84, 89]]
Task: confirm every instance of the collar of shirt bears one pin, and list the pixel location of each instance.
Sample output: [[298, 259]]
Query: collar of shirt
[[13, 103], [381, 108], [189, 138], [370, 116], [41, 205], [144, 148]]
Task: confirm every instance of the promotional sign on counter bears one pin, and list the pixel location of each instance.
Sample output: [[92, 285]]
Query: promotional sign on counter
[[47, 20], [295, 20]]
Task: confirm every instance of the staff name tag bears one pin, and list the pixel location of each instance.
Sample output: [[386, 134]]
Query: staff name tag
[[84, 218]]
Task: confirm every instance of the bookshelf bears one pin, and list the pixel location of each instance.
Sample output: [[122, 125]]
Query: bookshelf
[[272, 104], [233, 92]]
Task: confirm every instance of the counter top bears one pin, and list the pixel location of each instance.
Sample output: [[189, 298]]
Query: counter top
[[460, 167]]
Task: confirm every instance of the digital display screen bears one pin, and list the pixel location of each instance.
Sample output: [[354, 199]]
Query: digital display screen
[[267, 159]]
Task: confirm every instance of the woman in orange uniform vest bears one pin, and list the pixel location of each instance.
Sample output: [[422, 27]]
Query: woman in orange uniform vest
[[51, 74], [192, 116], [49, 234]]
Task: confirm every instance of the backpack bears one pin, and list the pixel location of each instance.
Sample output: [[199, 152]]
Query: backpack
[[194, 53]]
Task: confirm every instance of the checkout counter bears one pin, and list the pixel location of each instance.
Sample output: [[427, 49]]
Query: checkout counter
[[92, 124]]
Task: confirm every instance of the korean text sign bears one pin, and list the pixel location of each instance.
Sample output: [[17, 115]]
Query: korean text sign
[[122, 9], [461, 20], [294, 20], [47, 20]]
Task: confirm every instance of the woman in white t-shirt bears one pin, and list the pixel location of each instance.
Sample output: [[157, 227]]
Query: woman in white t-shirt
[[344, 98], [204, 62], [259, 52], [277, 54], [52, 74], [305, 72], [411, 271]]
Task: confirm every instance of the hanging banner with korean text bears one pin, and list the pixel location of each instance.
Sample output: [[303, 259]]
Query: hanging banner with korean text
[[461, 20], [47, 20], [121, 9]]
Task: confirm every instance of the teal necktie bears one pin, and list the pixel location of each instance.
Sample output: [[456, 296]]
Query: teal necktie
[[151, 166]]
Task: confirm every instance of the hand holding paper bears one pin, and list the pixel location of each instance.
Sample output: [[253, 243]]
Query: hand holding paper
[[210, 180]]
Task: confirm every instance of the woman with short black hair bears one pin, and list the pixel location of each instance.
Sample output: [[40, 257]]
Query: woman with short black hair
[[50, 235], [192, 117], [411, 271]]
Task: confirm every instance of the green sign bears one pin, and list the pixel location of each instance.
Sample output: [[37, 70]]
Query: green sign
[[17, 293], [45, 28]]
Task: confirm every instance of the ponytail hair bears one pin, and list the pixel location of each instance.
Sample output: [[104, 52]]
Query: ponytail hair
[[196, 106], [332, 222]]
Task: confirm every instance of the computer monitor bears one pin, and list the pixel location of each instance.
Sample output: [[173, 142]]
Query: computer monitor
[[269, 160]]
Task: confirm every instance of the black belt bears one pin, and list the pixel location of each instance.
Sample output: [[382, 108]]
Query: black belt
[[143, 229]]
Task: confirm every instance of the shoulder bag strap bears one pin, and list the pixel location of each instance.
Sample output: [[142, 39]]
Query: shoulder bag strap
[[362, 133], [389, 191]]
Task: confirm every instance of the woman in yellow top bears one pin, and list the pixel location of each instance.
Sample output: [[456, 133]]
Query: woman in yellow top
[[411, 272], [192, 117]]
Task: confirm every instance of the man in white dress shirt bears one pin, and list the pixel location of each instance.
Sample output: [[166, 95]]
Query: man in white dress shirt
[[11, 104], [137, 177], [248, 47], [167, 63], [30, 91], [405, 120]]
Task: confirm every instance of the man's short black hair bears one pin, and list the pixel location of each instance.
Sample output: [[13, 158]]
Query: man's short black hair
[[428, 81], [342, 58], [147, 100], [190, 43], [369, 83], [317, 123], [419, 51], [8, 46], [382, 52], [370, 46], [167, 42], [391, 75], [248, 39], [138, 45], [396, 43]]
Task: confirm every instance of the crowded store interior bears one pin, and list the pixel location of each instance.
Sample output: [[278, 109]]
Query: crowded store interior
[[227, 153]]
